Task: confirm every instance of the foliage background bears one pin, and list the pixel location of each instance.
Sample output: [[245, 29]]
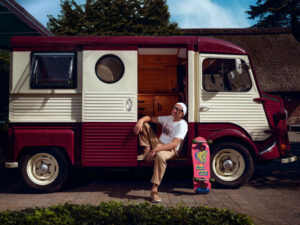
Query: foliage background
[[277, 13], [111, 17]]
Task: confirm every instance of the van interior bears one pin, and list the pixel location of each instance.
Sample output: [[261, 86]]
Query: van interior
[[162, 82]]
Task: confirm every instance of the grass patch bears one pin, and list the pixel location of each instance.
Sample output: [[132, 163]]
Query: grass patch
[[120, 213]]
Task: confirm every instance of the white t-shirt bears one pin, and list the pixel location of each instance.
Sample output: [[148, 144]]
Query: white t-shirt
[[172, 129]]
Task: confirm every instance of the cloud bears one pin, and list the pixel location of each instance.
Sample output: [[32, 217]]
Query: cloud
[[207, 14], [40, 9]]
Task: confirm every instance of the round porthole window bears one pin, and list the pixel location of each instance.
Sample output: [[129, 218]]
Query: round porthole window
[[110, 68]]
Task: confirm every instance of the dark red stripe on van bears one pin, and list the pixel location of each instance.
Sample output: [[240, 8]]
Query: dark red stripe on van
[[108, 144]]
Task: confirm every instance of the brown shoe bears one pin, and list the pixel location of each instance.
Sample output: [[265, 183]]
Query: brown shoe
[[155, 197], [142, 156]]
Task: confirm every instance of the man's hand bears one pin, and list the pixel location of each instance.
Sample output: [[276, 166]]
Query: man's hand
[[138, 127], [150, 155]]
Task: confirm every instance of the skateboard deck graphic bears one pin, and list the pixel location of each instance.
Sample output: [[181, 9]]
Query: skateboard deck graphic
[[201, 166]]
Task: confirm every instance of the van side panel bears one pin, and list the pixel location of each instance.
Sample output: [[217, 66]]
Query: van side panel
[[108, 144], [45, 108], [24, 136], [109, 111]]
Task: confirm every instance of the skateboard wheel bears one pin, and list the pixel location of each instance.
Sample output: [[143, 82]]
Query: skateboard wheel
[[209, 142], [212, 180]]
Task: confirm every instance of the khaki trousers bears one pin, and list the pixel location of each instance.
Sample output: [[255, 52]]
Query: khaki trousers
[[148, 138]]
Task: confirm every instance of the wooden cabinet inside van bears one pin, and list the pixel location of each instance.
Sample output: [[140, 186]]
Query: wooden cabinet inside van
[[157, 84]]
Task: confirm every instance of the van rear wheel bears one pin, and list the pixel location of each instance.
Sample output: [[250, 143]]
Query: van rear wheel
[[44, 170], [231, 164]]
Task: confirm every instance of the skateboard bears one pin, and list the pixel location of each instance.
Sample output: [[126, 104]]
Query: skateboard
[[201, 166]]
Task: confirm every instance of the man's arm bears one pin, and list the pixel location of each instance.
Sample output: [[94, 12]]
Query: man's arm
[[145, 119]]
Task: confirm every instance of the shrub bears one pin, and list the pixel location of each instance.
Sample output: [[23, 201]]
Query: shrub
[[119, 213]]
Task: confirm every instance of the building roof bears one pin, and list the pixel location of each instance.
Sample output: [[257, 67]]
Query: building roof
[[16, 21], [274, 52]]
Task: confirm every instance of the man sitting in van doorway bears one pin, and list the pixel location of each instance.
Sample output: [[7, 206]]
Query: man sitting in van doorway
[[174, 129]]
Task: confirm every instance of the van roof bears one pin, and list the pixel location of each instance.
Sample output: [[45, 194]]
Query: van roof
[[61, 43]]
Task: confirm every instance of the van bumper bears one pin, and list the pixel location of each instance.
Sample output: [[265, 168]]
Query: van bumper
[[289, 159], [10, 165]]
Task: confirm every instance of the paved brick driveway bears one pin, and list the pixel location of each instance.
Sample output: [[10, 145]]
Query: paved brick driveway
[[271, 197]]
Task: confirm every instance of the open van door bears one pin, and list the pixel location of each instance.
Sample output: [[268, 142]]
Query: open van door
[[109, 107]]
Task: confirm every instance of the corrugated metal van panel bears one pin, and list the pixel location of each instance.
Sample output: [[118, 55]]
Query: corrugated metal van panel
[[109, 144], [45, 108], [109, 107], [236, 108]]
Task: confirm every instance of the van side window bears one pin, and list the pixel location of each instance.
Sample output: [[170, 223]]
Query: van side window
[[230, 75], [53, 70], [110, 68]]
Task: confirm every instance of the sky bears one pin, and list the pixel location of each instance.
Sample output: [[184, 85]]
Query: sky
[[187, 13]]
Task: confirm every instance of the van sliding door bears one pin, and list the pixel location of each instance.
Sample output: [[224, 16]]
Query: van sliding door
[[109, 107]]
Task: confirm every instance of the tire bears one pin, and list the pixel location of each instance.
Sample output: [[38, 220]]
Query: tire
[[231, 164], [45, 170]]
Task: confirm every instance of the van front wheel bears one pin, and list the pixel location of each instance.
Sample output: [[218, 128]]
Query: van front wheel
[[231, 164], [45, 170]]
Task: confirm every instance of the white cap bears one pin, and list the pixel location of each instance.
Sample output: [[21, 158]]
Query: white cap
[[184, 108]]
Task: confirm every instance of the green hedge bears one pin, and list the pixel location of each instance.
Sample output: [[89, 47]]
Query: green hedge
[[119, 213]]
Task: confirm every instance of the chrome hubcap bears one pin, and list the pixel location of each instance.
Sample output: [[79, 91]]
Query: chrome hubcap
[[44, 168], [228, 164]]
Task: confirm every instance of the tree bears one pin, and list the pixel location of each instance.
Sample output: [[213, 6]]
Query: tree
[[113, 17], [277, 13]]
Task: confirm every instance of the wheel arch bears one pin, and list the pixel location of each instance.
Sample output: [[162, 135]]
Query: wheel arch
[[234, 136], [31, 139], [36, 149]]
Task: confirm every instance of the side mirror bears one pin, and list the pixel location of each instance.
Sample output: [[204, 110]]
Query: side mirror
[[280, 115], [238, 66]]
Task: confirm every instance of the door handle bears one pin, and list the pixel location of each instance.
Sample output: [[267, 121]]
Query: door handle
[[203, 109], [260, 100], [159, 107], [128, 104]]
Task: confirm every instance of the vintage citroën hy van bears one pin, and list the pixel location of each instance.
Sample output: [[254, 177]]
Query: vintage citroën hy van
[[75, 100]]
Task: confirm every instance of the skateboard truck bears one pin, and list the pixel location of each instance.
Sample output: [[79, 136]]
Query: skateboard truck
[[195, 141], [202, 179], [200, 144], [203, 189]]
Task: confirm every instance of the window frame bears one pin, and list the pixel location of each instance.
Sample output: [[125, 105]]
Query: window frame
[[114, 56], [47, 85], [226, 58]]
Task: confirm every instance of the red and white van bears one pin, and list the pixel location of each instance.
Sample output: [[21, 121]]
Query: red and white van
[[75, 100]]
